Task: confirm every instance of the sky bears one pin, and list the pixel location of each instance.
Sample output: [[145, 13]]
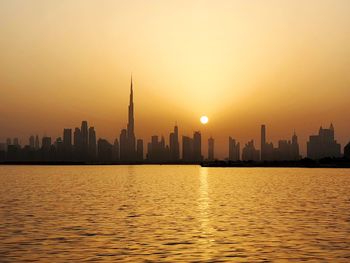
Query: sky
[[242, 63]]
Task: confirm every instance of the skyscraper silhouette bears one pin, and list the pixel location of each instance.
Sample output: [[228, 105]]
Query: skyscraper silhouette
[[37, 143], [197, 147], [67, 138], [139, 150], [187, 149], [347, 151], [210, 149], [31, 142], [84, 139], [323, 145], [233, 150], [249, 152], [128, 153], [123, 145], [263, 143], [174, 145], [92, 143]]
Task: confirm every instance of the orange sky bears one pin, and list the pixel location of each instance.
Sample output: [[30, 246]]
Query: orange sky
[[242, 63]]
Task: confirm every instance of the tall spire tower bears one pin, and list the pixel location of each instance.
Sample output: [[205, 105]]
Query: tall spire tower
[[131, 112]]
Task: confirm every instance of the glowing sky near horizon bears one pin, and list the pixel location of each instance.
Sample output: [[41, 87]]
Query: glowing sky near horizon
[[242, 63]]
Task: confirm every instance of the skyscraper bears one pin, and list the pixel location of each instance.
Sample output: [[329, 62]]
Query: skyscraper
[[347, 151], [249, 153], [263, 143], [210, 149], [233, 150], [323, 145], [67, 139], [116, 150], [31, 142], [46, 143], [84, 139], [187, 149], [139, 150], [123, 145], [129, 152], [174, 145], [267, 151], [37, 143], [197, 147], [16, 142], [92, 143], [77, 144]]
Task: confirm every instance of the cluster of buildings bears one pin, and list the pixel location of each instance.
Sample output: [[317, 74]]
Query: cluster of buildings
[[81, 145]]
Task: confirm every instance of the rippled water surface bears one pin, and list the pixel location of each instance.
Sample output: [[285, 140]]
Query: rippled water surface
[[173, 213]]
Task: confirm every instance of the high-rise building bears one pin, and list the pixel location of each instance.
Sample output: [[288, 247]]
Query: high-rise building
[[104, 151], [31, 142], [67, 138], [77, 140], [347, 151], [84, 139], [266, 149], [128, 153], [157, 151], [263, 142], [8, 142], [123, 145], [116, 150], [37, 143], [46, 143], [139, 150], [92, 143], [16, 142], [187, 149], [323, 145], [249, 153], [197, 147], [174, 145], [210, 149], [233, 150]]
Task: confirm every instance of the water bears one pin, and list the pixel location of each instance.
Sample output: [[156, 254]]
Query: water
[[173, 213]]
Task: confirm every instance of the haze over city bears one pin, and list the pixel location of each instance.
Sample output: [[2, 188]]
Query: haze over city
[[281, 63]]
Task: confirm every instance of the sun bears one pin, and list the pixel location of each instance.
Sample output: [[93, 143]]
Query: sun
[[204, 119]]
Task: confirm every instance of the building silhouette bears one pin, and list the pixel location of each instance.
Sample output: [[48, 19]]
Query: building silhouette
[[267, 152], [347, 151], [187, 149], [287, 150], [104, 150], [84, 140], [323, 145], [249, 153], [233, 150], [139, 150], [116, 150], [174, 146], [210, 149], [46, 144], [37, 143], [157, 151], [127, 137], [67, 144], [192, 148], [92, 144], [197, 147], [32, 142]]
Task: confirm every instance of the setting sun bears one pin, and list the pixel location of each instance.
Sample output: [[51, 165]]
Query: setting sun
[[204, 119]]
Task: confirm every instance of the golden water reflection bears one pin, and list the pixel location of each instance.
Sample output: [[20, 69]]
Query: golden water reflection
[[174, 214]]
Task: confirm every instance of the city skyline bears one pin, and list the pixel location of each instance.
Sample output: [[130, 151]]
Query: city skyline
[[84, 145], [284, 64]]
